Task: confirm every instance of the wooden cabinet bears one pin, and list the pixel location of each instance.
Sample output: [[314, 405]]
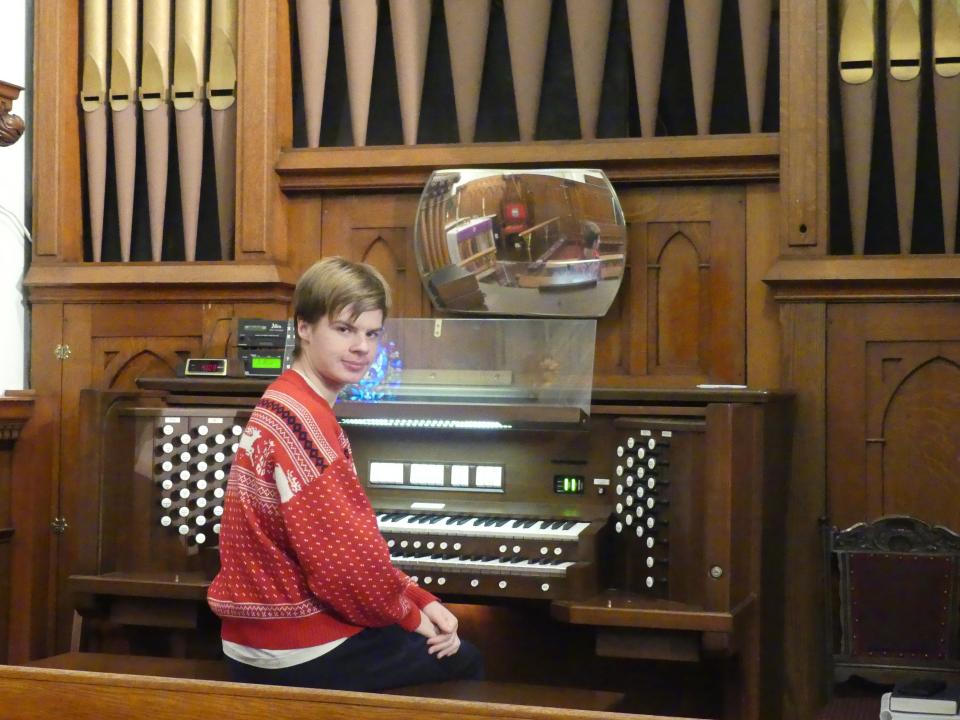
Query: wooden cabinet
[[893, 400]]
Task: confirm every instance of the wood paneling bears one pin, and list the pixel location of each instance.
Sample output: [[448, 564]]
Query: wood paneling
[[33, 561], [804, 371], [58, 226], [803, 127], [378, 229], [763, 319], [15, 411], [263, 124], [714, 158], [894, 383], [680, 318]]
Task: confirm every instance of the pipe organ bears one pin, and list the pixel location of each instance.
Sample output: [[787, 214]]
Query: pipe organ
[[897, 176], [532, 29], [178, 70], [656, 515]]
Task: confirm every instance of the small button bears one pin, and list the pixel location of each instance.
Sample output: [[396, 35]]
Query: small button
[[443, 546], [618, 527], [516, 548], [404, 543], [430, 545], [558, 551], [441, 581], [474, 582], [457, 546], [545, 587], [502, 584], [503, 548], [544, 550], [416, 543], [427, 580], [391, 542]]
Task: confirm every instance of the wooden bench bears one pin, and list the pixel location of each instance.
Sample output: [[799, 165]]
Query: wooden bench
[[42, 692], [215, 670]]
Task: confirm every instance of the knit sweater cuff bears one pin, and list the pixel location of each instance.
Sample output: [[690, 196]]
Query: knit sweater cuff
[[420, 597], [410, 621]]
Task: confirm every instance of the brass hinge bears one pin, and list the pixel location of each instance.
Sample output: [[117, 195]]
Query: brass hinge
[[62, 352], [59, 525]]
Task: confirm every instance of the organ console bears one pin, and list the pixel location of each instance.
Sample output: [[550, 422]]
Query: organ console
[[652, 523]]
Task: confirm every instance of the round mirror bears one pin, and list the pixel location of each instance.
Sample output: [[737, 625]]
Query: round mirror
[[521, 242]]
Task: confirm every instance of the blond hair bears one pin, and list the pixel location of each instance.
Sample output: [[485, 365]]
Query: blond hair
[[333, 285]]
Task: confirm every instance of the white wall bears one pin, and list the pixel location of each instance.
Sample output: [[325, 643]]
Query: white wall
[[13, 187]]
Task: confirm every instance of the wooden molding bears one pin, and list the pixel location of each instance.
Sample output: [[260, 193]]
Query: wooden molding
[[16, 407], [866, 279], [665, 159], [164, 281], [11, 126]]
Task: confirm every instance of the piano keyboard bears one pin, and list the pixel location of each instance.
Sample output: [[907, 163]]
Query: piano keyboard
[[473, 555], [463, 526]]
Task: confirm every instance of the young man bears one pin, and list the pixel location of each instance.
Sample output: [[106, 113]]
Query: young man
[[306, 591]]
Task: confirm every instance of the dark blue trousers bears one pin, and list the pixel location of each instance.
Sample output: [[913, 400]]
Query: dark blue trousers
[[374, 659]]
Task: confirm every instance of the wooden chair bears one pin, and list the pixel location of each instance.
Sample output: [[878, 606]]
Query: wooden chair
[[892, 594]]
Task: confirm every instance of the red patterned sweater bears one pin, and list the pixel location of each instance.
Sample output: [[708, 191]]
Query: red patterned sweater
[[302, 562]]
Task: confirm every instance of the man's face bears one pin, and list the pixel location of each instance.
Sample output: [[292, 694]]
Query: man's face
[[341, 350]]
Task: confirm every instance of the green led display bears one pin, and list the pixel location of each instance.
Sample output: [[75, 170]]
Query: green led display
[[568, 484], [266, 363]]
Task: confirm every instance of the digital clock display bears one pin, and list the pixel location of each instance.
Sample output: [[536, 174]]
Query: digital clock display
[[266, 363], [206, 366], [568, 484]]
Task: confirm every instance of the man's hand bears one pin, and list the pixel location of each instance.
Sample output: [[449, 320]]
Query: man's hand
[[445, 642], [445, 620], [426, 627]]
